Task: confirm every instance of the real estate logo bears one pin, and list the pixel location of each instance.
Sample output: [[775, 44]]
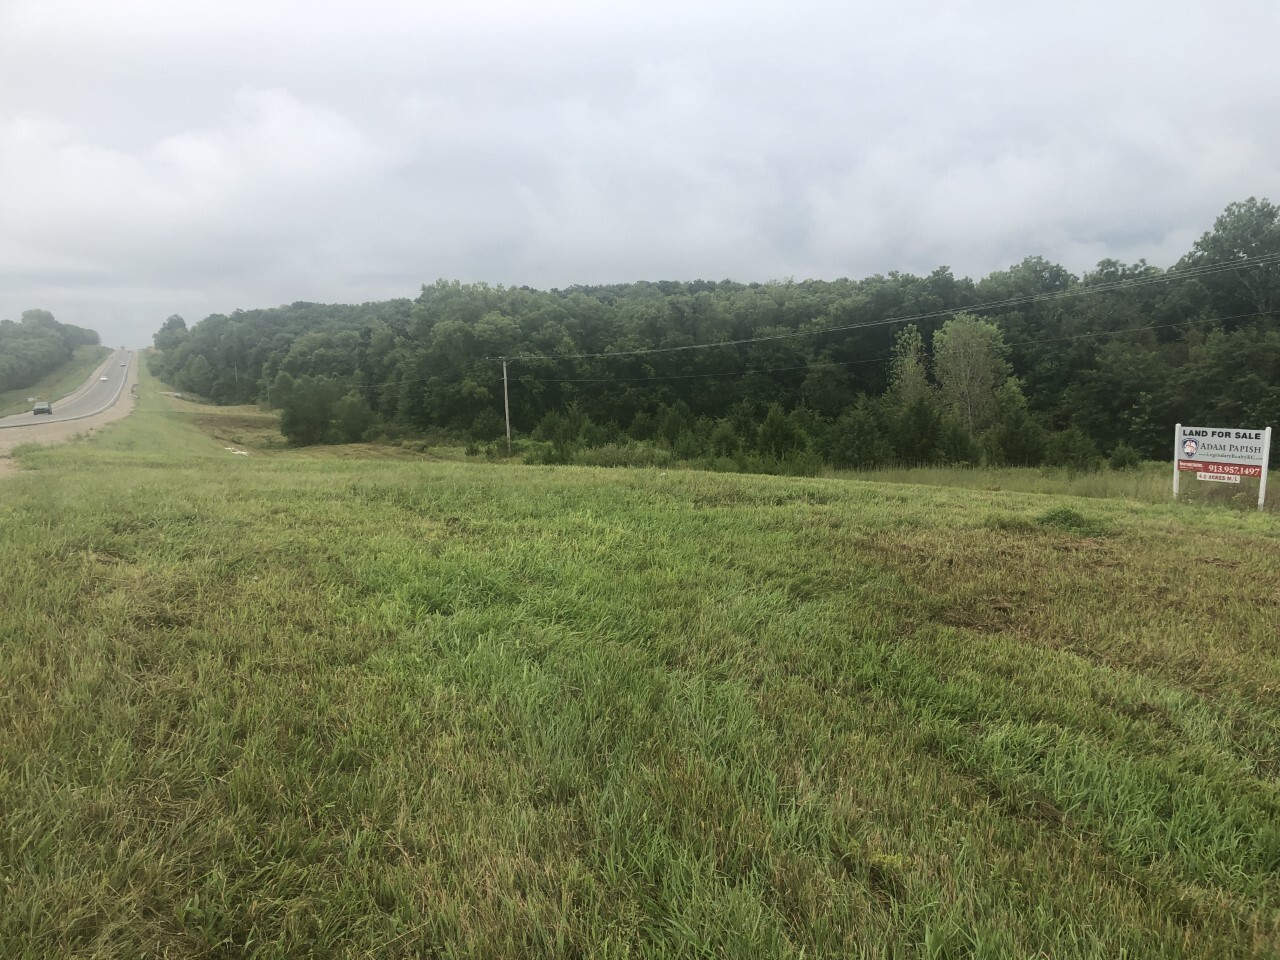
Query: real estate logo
[[1223, 455]]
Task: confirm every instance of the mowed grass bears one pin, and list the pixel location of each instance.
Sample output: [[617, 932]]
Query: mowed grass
[[1148, 483], [57, 383], [274, 706]]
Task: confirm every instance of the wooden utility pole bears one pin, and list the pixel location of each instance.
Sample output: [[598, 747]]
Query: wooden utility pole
[[506, 399], [506, 405]]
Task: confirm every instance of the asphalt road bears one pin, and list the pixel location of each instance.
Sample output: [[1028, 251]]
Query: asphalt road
[[91, 397]]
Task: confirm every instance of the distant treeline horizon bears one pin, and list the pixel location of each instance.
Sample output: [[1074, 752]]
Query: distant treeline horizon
[[1028, 365], [37, 345]]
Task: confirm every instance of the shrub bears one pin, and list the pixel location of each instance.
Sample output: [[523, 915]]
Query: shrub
[[1073, 450], [721, 465], [858, 438], [642, 426], [624, 455], [307, 409], [543, 453], [802, 463], [955, 444], [687, 446], [1072, 521], [778, 436], [352, 418], [1124, 457], [561, 434], [1015, 438], [488, 426], [725, 441]]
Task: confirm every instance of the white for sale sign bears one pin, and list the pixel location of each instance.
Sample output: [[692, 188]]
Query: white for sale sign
[[1219, 453]]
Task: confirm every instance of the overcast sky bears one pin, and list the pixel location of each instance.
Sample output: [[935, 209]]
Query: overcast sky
[[193, 157]]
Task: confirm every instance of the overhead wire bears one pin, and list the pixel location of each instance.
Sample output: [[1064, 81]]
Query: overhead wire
[[1079, 290], [887, 357], [459, 371], [1074, 291]]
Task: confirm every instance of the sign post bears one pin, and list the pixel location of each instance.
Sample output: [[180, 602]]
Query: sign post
[[1222, 454], [1177, 435], [1266, 460]]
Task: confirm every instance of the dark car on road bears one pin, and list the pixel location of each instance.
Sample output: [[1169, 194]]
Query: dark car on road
[[42, 407]]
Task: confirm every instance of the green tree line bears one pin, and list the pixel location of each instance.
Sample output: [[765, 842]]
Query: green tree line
[[1028, 365], [36, 346]]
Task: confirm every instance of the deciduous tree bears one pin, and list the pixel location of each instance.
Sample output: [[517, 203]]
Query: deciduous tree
[[969, 357]]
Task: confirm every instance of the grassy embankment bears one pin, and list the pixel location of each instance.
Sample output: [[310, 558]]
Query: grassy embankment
[[256, 430], [279, 706], [57, 383], [1149, 483]]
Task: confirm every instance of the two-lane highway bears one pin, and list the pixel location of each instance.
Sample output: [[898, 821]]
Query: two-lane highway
[[95, 395]]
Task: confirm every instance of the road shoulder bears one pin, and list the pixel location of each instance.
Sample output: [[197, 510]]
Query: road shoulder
[[47, 434]]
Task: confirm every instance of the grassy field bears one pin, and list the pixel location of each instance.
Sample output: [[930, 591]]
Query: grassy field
[[1149, 483], [57, 384], [256, 430], [281, 706]]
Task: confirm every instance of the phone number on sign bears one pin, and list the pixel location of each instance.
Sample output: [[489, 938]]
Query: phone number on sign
[[1226, 469]]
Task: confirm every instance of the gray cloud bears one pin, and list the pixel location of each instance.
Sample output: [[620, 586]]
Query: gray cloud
[[159, 158]]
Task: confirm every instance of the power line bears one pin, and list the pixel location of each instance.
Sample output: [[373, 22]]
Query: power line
[[1079, 290], [887, 357], [434, 376]]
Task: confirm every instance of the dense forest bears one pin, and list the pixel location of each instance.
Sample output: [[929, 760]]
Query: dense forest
[[35, 346], [1028, 365]]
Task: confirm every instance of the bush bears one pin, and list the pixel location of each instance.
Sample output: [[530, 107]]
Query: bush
[[721, 464], [725, 441], [802, 463], [488, 426], [352, 418], [778, 436], [1015, 438], [674, 421], [955, 444], [1073, 450], [623, 455], [542, 452], [1071, 521], [306, 408], [643, 427], [687, 446], [1124, 457], [916, 432], [858, 438], [561, 434]]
